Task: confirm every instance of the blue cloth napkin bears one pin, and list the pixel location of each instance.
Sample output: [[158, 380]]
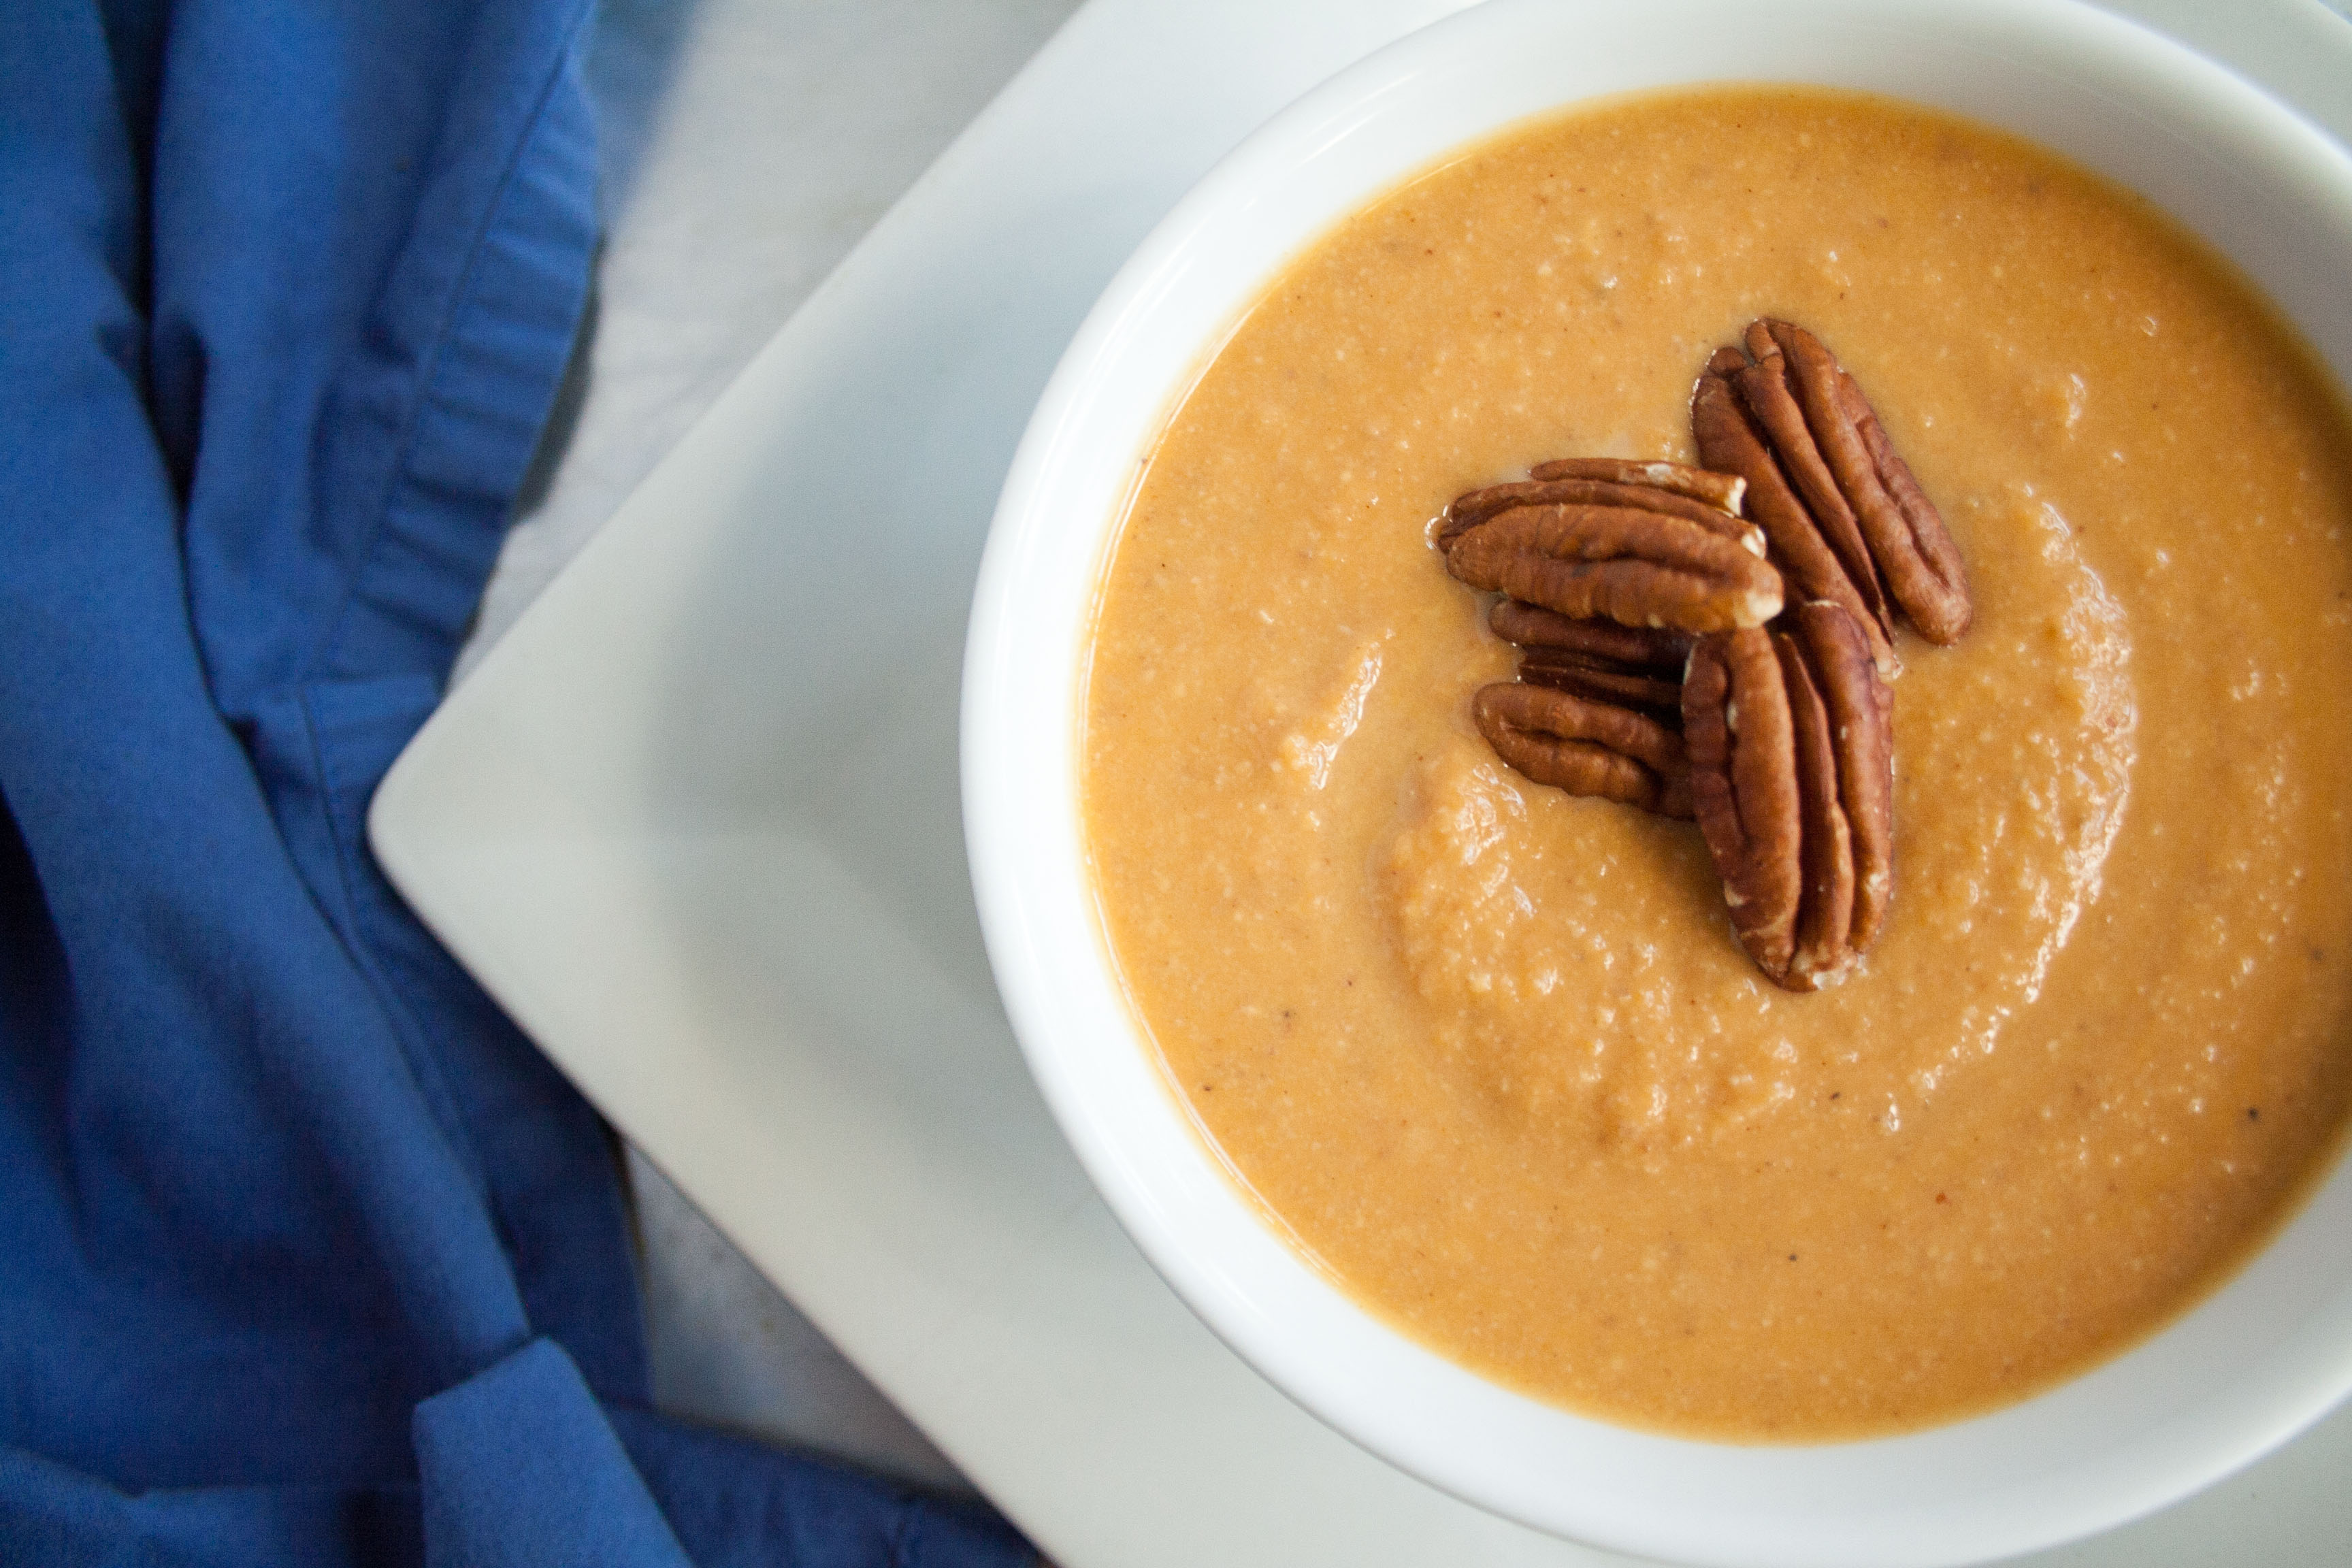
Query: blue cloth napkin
[[306, 1255]]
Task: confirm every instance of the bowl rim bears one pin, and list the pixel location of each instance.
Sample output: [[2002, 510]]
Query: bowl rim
[[1189, 1212]]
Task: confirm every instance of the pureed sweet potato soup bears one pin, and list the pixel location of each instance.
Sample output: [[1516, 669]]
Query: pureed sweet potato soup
[[1492, 1053]]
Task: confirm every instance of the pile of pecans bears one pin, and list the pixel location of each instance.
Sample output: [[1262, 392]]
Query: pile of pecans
[[1716, 642]]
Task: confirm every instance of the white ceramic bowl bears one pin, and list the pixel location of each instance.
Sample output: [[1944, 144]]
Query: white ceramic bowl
[[2266, 1355]]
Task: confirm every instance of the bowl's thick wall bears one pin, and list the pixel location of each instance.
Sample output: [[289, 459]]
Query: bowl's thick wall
[[2266, 1355]]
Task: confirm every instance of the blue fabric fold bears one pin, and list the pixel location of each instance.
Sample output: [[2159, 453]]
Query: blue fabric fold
[[516, 1463], [306, 1254]]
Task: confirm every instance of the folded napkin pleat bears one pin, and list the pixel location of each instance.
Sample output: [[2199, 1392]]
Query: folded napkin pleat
[[306, 1254], [518, 1461]]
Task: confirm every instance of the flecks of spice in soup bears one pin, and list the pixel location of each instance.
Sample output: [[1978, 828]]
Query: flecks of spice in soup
[[1491, 1052]]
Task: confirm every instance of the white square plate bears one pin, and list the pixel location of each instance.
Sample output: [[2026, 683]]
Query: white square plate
[[694, 823]]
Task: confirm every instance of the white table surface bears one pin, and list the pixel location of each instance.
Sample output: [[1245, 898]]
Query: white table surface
[[747, 145]]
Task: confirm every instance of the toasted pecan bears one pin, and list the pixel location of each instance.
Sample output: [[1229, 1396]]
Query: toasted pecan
[[1860, 710], [1838, 461], [1791, 750], [1469, 510], [1720, 490], [1635, 667], [1657, 649], [1585, 747], [1741, 750], [1638, 566], [1728, 439], [1929, 579]]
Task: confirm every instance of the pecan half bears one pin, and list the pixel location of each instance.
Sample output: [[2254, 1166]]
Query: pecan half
[[1643, 565], [1657, 649], [1573, 490], [1632, 667], [1741, 748], [1835, 457], [1929, 580], [1728, 439], [1791, 751], [1585, 747], [1720, 490], [1860, 710]]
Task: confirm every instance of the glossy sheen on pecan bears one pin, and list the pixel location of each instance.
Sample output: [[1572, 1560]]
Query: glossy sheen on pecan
[[1634, 666], [1864, 501], [1720, 490], [1792, 756], [1729, 438], [1585, 747], [1637, 566]]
